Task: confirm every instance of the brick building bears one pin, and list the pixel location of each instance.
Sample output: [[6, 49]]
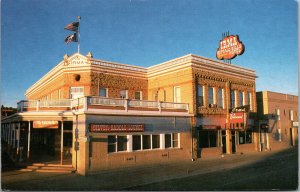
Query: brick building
[[104, 115], [280, 113]]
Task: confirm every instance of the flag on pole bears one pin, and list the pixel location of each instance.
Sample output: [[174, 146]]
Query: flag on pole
[[71, 38], [72, 26]]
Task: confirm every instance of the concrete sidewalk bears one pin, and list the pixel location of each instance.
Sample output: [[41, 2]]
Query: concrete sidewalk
[[128, 177]]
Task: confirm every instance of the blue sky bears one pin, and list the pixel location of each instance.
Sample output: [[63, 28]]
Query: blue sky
[[147, 32]]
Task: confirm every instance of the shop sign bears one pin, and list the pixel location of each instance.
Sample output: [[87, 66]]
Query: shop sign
[[45, 124], [237, 117], [295, 124], [230, 47], [117, 128]]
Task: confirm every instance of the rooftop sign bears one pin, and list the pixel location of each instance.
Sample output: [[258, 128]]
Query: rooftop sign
[[230, 46]]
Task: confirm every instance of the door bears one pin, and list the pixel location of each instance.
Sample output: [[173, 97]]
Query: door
[[233, 147], [223, 141]]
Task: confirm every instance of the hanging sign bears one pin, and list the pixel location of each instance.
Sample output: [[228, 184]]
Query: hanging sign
[[238, 117], [45, 124], [229, 47], [117, 128]]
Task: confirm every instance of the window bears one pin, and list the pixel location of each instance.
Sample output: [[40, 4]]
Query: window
[[76, 92], [138, 95], [168, 141], [146, 142], [200, 95], [245, 137], [112, 142], [122, 143], [210, 95], [175, 139], [220, 98], [232, 102], [124, 94], [241, 98], [136, 142], [177, 95], [277, 111], [208, 138], [249, 100], [155, 142], [291, 115], [103, 92]]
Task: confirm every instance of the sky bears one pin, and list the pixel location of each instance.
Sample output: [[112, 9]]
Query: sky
[[145, 33]]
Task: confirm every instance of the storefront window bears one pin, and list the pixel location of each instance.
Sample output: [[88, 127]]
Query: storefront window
[[155, 141], [175, 140], [168, 141], [136, 142], [112, 143], [122, 143], [208, 138], [245, 137], [146, 142]]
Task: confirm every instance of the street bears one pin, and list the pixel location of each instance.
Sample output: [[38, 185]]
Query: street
[[272, 170]]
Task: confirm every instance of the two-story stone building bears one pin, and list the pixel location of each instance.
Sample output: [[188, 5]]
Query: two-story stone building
[[106, 115]]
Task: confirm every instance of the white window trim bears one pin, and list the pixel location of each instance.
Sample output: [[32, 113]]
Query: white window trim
[[106, 91], [141, 94]]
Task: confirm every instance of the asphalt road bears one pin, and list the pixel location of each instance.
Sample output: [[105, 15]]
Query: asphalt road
[[255, 171]]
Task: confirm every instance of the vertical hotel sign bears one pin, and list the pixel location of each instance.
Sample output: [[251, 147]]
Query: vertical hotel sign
[[229, 47]]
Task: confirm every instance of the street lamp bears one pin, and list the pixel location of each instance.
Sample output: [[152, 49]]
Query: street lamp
[[75, 112]]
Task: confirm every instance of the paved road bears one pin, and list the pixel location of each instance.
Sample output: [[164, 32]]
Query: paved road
[[255, 171]]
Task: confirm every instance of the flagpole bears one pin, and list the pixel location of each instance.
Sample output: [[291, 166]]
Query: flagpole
[[79, 33]]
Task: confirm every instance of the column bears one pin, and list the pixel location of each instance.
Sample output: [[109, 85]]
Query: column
[[28, 145], [129, 143], [162, 141], [228, 141], [19, 136], [62, 143]]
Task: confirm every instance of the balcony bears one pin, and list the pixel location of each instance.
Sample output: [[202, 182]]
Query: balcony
[[104, 105]]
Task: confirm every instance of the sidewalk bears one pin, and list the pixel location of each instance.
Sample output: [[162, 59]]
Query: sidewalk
[[128, 177]]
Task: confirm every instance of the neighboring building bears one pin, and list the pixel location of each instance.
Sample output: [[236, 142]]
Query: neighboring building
[[106, 115], [280, 113]]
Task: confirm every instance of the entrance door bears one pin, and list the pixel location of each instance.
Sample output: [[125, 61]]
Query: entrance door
[[223, 141], [233, 147]]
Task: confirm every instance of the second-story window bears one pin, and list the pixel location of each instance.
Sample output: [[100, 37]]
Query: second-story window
[[177, 95], [138, 95], [210, 95], [220, 98], [241, 98], [200, 95], [232, 96], [249, 100], [124, 94], [103, 92]]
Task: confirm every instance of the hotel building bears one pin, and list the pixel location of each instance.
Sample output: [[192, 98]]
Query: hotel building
[[103, 115]]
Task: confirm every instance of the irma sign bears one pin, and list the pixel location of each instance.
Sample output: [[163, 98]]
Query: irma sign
[[229, 47]]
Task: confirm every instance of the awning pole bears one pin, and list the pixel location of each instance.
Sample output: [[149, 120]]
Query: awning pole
[[62, 143]]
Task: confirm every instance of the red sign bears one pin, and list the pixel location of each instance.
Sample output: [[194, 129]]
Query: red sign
[[230, 47], [45, 124], [117, 128], [238, 117]]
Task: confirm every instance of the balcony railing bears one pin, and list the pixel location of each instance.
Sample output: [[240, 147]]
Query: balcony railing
[[95, 103]]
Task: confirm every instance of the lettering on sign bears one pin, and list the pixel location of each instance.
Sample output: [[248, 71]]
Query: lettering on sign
[[230, 47], [117, 128], [45, 124], [237, 117]]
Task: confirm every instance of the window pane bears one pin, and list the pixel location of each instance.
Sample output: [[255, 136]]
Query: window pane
[[111, 140], [220, 98], [232, 94], [123, 94], [168, 140], [248, 137], [136, 142], [200, 95], [241, 98], [212, 138], [137, 95], [102, 92], [242, 137], [146, 142], [210, 95], [122, 143], [175, 140], [203, 139], [155, 141]]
